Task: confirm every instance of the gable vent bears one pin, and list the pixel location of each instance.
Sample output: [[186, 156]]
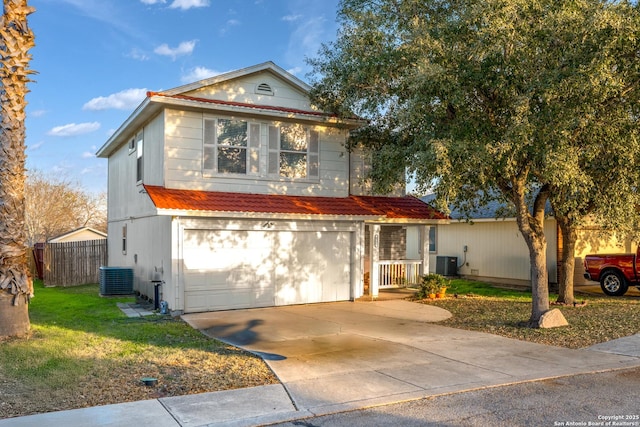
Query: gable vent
[[264, 89]]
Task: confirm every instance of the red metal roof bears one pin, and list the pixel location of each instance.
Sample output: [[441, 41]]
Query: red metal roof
[[388, 207]]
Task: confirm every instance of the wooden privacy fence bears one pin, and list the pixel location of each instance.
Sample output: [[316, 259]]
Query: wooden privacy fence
[[73, 263]]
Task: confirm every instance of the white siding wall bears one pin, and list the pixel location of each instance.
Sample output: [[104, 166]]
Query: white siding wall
[[244, 90], [128, 204], [496, 250], [125, 199], [148, 247], [184, 138]]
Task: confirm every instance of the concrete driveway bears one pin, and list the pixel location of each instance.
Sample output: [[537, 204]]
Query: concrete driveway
[[341, 356]]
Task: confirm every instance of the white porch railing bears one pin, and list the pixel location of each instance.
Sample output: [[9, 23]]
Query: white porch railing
[[400, 273]]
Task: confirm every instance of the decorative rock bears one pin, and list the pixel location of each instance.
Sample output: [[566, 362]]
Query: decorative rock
[[552, 319]]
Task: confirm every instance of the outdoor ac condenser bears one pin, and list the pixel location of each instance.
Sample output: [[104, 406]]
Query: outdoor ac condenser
[[447, 265], [116, 281]]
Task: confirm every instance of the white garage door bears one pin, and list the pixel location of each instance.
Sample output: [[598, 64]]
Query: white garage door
[[226, 269]]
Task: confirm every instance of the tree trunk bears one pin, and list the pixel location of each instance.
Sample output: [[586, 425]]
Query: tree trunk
[[16, 287], [531, 226], [569, 238], [539, 279]]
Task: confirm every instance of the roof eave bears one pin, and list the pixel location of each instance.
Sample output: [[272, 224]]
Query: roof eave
[[269, 65], [413, 221], [263, 215], [256, 110], [141, 114]]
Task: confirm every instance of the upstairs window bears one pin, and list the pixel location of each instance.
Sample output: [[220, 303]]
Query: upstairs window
[[231, 146], [293, 152], [139, 152]]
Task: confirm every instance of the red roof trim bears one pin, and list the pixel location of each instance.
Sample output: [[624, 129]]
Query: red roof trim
[[243, 105], [389, 207]]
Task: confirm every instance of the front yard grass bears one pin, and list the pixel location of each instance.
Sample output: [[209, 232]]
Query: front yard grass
[[482, 307], [83, 351]]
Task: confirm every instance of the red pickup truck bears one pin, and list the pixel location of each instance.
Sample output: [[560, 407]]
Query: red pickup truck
[[615, 272]]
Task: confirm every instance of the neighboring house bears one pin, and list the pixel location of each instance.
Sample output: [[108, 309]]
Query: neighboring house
[[491, 248], [235, 192], [79, 235]]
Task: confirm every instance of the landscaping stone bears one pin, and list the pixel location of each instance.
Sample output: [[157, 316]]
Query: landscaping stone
[[552, 319]]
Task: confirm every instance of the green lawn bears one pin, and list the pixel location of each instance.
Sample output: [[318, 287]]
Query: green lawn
[[482, 307], [83, 351]]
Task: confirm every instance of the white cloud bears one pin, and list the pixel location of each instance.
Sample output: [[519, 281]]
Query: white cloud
[[184, 48], [38, 113], [153, 1], [33, 147], [295, 70], [137, 54], [228, 25], [188, 4], [291, 18], [127, 99], [73, 129], [198, 73], [88, 155]]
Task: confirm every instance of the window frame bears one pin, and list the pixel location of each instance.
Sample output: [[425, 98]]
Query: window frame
[[433, 242], [124, 239], [312, 153], [139, 150], [252, 147]]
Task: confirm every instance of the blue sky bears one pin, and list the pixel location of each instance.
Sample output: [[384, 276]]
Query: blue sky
[[96, 59]]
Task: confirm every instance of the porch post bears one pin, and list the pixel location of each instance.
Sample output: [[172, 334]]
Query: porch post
[[374, 255], [424, 249]]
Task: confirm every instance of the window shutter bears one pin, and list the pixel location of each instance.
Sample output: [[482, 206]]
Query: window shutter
[[314, 155], [209, 145], [254, 148], [274, 167]]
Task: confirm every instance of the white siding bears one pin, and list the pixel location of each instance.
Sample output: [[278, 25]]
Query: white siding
[[148, 249], [184, 135], [125, 197], [496, 250], [243, 90]]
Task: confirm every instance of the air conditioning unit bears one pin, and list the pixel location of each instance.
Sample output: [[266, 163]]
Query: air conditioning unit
[[116, 281], [447, 265]]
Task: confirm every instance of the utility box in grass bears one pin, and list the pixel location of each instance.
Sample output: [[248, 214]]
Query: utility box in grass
[[116, 281]]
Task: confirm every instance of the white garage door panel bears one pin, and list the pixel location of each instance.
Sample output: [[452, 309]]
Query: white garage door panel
[[312, 267], [242, 269], [224, 300]]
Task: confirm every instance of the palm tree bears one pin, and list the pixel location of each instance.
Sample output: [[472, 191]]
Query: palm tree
[[16, 286]]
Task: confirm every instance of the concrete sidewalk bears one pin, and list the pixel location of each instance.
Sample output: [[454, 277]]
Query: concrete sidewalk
[[342, 356]]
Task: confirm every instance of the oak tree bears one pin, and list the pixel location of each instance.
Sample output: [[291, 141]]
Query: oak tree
[[490, 100]]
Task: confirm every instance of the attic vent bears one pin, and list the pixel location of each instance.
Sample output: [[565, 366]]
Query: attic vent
[[264, 89]]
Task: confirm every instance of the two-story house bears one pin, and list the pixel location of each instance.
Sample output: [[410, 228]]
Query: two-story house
[[235, 192]]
